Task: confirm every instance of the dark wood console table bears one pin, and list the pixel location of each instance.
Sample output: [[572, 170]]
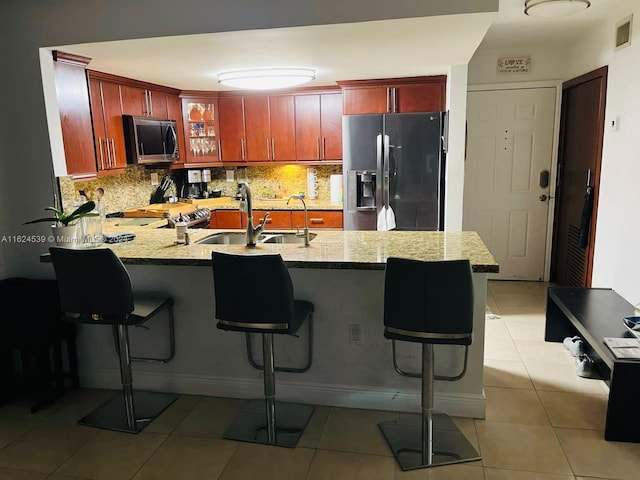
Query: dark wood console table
[[592, 314]]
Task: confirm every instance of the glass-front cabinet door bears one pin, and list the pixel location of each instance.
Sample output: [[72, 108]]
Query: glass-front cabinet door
[[201, 129]]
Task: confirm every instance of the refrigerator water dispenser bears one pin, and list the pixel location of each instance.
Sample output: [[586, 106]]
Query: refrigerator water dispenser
[[363, 183]]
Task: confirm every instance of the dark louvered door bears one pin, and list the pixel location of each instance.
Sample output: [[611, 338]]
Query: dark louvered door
[[579, 159]]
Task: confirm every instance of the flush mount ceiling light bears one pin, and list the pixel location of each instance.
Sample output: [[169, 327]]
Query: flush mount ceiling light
[[554, 8], [266, 78]]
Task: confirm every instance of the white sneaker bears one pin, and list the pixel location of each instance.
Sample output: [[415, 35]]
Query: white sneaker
[[575, 345], [584, 366]]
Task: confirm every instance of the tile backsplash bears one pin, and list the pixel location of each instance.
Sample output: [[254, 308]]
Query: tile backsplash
[[121, 191], [133, 187]]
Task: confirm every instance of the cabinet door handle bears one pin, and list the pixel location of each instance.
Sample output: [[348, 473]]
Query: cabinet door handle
[[106, 142], [145, 109], [242, 148], [318, 145], [113, 154], [267, 148], [219, 149], [101, 153], [316, 220], [388, 100], [273, 148], [150, 107], [394, 98], [324, 148]]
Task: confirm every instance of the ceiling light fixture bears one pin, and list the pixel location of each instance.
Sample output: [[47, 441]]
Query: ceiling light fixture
[[554, 8], [266, 78]]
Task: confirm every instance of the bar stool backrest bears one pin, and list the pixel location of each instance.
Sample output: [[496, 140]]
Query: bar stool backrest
[[94, 284], [253, 289], [428, 302]]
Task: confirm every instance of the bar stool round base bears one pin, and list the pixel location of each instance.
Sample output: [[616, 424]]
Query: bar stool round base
[[404, 437], [112, 415], [251, 424]]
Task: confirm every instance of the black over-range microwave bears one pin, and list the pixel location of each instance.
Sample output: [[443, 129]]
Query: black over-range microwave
[[150, 140]]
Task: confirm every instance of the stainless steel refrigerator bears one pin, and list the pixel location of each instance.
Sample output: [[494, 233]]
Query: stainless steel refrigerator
[[394, 160]]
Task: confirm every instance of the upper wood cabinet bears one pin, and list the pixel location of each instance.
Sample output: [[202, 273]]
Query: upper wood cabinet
[[269, 127], [318, 126], [257, 128], [200, 118], [107, 124], [282, 125], [232, 140], [143, 102], [111, 97], [394, 95], [75, 114]]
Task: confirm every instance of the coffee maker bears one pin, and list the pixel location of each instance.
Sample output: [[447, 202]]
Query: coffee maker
[[195, 183]]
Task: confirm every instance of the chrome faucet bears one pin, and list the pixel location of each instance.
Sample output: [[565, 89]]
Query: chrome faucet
[[306, 224], [245, 205]]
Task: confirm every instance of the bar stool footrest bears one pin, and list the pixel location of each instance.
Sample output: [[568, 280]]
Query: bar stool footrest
[[450, 446], [111, 415], [251, 424]]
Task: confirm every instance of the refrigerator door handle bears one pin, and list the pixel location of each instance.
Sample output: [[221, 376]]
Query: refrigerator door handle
[[385, 170], [380, 170]]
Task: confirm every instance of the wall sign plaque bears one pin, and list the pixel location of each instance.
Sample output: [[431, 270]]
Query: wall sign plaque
[[508, 65]]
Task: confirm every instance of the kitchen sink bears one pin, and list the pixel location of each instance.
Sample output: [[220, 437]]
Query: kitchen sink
[[240, 238], [285, 238], [226, 238]]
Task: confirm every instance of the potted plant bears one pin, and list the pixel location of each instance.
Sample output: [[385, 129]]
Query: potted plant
[[65, 227]]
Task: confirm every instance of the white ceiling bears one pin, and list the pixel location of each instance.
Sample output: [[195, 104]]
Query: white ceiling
[[379, 49], [512, 28]]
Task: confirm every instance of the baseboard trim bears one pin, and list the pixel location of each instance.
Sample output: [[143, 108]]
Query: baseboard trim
[[373, 398]]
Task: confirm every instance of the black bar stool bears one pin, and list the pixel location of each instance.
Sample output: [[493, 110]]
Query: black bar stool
[[254, 294], [109, 300], [428, 303]]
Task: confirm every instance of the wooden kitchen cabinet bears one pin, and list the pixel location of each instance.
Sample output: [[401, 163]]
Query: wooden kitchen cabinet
[[108, 130], [111, 97], [143, 102], [256, 128], [318, 126], [282, 126], [277, 219], [227, 219], [200, 119], [394, 95], [75, 114], [331, 126], [231, 114], [317, 219], [269, 123]]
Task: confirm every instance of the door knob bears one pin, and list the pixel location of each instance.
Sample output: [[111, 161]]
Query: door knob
[[543, 197]]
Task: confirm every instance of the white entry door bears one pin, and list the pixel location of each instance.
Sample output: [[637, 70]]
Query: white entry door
[[507, 176]]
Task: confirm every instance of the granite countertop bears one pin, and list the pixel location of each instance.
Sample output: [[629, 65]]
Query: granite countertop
[[328, 250]]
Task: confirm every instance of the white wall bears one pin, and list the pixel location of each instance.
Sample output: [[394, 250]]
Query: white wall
[[457, 108], [548, 62]]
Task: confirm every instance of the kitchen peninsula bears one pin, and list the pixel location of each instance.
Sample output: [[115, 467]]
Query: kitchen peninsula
[[342, 273]]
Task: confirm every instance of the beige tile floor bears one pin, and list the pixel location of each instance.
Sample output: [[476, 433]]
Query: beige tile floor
[[542, 423]]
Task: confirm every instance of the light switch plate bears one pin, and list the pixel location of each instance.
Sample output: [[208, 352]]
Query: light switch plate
[[154, 179], [230, 176]]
